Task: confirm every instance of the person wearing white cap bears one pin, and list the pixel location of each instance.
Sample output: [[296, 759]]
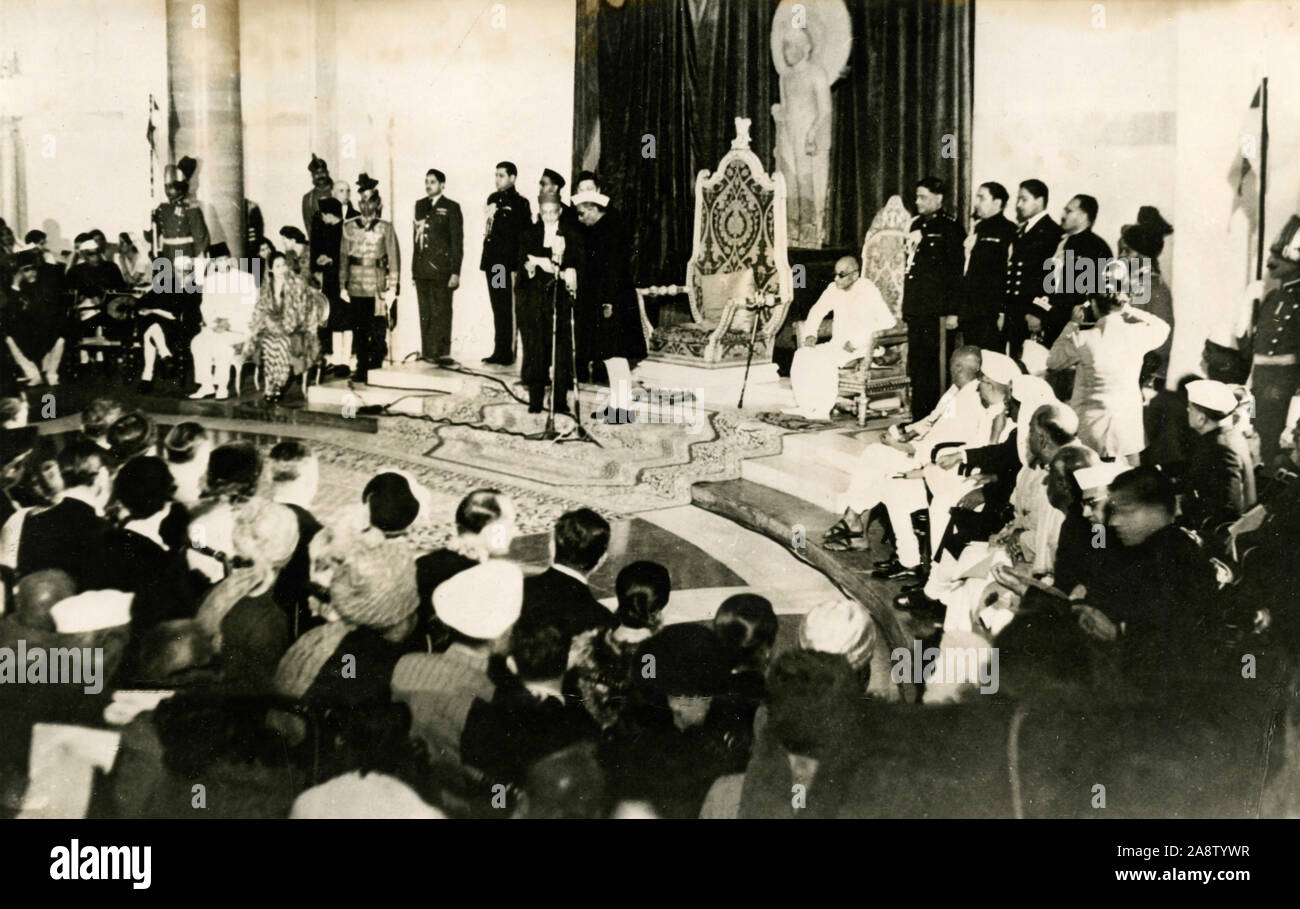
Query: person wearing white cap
[[860, 311], [229, 299], [905, 447], [905, 497], [1094, 486], [479, 604], [1107, 360], [1220, 480]]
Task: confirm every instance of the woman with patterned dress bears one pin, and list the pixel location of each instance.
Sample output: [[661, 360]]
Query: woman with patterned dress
[[283, 334]]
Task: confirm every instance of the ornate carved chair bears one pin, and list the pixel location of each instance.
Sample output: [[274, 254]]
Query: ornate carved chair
[[884, 259], [738, 255]]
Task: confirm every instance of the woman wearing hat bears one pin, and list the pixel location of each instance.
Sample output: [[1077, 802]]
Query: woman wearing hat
[[283, 334], [1141, 244]]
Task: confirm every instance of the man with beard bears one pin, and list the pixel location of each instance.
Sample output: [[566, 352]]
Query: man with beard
[[369, 263]]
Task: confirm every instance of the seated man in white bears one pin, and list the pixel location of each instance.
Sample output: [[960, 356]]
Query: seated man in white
[[859, 313], [954, 421], [229, 296], [1028, 541], [919, 519]]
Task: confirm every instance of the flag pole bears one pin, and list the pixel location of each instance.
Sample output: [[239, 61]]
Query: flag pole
[[1263, 176]]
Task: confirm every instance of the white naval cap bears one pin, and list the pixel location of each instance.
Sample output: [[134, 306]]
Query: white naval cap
[[1211, 395]]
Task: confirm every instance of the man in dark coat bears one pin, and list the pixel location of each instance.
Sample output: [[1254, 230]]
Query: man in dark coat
[[984, 285], [1220, 478], [607, 294], [930, 289], [560, 596], [69, 536], [322, 185], [32, 323], [1035, 244], [550, 253], [1077, 268], [435, 264], [1275, 376], [508, 215]]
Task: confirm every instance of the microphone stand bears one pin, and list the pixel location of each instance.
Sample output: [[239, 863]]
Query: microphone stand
[[578, 433]]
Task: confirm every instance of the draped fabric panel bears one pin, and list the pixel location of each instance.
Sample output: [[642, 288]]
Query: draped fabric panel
[[658, 84]]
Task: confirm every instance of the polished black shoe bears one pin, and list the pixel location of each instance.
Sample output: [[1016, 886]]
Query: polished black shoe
[[919, 605], [894, 570], [145, 387], [493, 360], [445, 362]]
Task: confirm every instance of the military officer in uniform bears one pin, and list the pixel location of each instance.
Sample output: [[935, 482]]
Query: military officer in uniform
[[508, 213], [1035, 243], [985, 281], [1275, 377], [934, 270], [435, 265], [369, 263], [181, 231], [1220, 481]]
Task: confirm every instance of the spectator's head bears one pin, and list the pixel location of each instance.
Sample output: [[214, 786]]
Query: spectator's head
[[686, 665], [265, 533], [990, 200], [1079, 215], [1052, 426], [1063, 491], [1142, 501], [1031, 199], [266, 250], [395, 501], [295, 472], [1094, 488], [551, 183], [187, 443], [964, 365], [13, 412], [485, 520], [39, 592], [293, 238], [371, 581], [481, 603], [997, 371], [642, 589], [586, 182], [505, 175], [539, 651], [746, 624], [27, 265], [132, 434], [35, 237], [581, 539], [234, 470], [144, 487], [1209, 404], [98, 416], [809, 695], [568, 784], [83, 465], [842, 627]]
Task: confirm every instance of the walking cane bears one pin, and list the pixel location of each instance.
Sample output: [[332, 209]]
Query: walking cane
[[753, 336]]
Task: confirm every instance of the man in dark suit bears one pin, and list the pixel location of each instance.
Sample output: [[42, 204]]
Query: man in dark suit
[[930, 290], [1077, 268], [70, 535], [1220, 480], [508, 213], [983, 290], [1036, 240], [435, 265], [559, 596]]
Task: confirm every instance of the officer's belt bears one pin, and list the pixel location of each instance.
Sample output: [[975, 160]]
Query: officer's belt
[[358, 260], [1275, 359], [177, 241]]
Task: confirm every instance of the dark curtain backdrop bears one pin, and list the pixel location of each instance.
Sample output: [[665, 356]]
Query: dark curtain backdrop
[[682, 70]]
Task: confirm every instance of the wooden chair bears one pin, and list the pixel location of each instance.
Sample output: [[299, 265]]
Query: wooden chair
[[738, 255]]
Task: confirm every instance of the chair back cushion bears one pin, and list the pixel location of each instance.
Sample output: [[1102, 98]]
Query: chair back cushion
[[884, 257], [717, 289]]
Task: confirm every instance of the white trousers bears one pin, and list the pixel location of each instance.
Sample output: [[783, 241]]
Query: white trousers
[[815, 377], [869, 472], [214, 357], [902, 497]]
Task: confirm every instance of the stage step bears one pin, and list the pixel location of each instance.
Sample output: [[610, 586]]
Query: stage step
[[416, 376], [802, 477], [812, 445], [338, 398]]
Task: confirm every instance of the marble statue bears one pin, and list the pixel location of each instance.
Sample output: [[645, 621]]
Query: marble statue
[[810, 45]]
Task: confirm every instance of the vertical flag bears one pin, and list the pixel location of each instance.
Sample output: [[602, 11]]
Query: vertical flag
[[1249, 173]]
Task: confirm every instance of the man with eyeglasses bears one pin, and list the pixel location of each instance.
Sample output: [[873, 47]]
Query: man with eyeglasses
[[859, 312]]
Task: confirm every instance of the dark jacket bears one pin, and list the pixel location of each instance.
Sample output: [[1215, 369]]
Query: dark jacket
[[984, 287], [501, 245], [431, 569], [1085, 257], [1025, 271], [439, 239], [159, 578], [1001, 461], [606, 278], [1220, 480], [933, 281], [565, 602], [68, 536]]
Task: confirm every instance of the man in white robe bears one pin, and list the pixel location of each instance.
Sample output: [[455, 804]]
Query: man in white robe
[[859, 313], [229, 297]]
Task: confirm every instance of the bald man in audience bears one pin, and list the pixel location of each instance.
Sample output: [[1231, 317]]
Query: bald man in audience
[[859, 312], [904, 447]]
